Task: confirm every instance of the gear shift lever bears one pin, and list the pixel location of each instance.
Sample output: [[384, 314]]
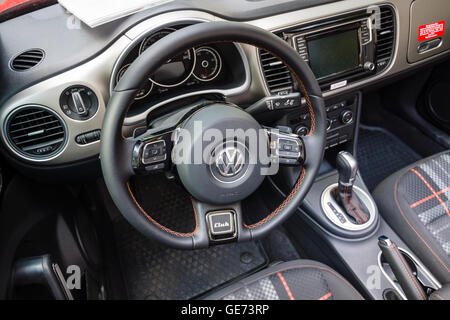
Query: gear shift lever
[[348, 168], [353, 206]]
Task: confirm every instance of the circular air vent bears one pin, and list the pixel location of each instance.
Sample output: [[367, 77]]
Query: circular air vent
[[35, 132], [27, 60]]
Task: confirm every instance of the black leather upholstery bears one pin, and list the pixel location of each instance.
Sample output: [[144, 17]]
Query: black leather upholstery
[[415, 202], [441, 294], [295, 280]]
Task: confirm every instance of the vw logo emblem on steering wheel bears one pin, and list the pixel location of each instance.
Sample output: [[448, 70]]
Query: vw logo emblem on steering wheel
[[230, 162]]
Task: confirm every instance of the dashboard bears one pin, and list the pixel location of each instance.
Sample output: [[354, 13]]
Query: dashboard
[[52, 112]]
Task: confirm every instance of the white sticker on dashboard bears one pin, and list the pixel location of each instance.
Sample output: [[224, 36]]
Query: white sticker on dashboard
[[338, 85]]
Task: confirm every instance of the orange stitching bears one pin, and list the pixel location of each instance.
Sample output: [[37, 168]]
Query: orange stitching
[[415, 204], [408, 272], [326, 297], [411, 226], [432, 190], [281, 206], [311, 131], [290, 268], [436, 294], [348, 206], [286, 287], [178, 234], [361, 213]]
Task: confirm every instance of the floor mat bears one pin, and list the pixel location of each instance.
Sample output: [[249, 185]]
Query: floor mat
[[381, 154], [153, 272]]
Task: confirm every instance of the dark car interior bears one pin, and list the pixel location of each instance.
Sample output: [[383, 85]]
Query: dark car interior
[[352, 97]]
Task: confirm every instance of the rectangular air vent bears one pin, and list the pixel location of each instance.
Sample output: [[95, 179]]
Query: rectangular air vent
[[277, 75], [385, 36]]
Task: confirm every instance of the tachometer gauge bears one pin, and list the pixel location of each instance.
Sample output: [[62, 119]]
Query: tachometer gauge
[[209, 64], [144, 91], [176, 70]]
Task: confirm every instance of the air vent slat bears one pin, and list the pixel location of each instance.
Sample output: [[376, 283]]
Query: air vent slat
[[28, 121], [385, 35], [27, 60], [277, 75], [35, 126], [39, 138], [35, 132]]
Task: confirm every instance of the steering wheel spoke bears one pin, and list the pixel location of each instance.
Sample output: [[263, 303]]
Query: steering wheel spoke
[[286, 148], [151, 152]]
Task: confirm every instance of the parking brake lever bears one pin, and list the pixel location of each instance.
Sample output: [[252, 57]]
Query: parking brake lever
[[407, 280]]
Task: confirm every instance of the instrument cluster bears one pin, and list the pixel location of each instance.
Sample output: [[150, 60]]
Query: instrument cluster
[[196, 67]]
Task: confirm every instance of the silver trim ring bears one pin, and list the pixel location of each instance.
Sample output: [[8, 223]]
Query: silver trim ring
[[220, 149], [25, 156], [347, 225], [230, 162], [219, 59]]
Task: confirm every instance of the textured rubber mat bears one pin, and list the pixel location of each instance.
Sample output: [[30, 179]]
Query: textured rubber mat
[[381, 154], [153, 272]]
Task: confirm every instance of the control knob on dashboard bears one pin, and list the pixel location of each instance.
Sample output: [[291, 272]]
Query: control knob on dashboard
[[79, 102], [369, 66], [346, 116]]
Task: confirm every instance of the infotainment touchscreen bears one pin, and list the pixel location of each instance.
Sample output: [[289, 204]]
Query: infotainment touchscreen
[[333, 54]]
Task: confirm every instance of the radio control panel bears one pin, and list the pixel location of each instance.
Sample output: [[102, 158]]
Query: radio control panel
[[342, 115]]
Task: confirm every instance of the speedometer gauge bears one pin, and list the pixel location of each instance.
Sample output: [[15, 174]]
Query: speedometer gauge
[[176, 70], [208, 64], [144, 91]]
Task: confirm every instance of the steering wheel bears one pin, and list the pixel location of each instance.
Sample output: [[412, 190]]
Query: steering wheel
[[218, 186]]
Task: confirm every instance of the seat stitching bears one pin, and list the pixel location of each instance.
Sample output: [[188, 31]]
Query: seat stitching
[[417, 203], [326, 296], [245, 284], [285, 285], [412, 227], [432, 190]]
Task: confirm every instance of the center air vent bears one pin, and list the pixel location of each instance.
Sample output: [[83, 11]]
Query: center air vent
[[277, 75], [27, 60], [385, 36], [35, 132]]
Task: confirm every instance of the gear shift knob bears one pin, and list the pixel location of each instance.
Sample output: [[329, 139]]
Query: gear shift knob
[[347, 167]]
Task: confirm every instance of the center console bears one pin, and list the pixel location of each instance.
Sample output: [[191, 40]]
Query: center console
[[329, 234], [338, 222], [342, 115]]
